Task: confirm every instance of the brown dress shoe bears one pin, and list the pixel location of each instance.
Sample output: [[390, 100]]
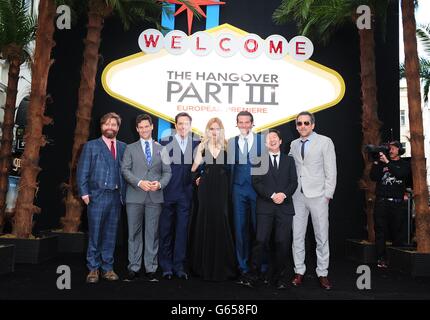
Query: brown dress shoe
[[297, 280], [325, 284], [93, 276], [110, 276]]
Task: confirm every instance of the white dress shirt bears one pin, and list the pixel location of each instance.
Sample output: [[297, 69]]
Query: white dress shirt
[[182, 142], [241, 141]]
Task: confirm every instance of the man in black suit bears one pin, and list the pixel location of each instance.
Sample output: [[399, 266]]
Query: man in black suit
[[275, 185]]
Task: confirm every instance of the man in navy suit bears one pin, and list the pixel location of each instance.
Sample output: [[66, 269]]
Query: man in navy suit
[[241, 149], [101, 187], [275, 188], [177, 200]]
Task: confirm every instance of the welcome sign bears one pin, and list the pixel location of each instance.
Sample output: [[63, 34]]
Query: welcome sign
[[221, 71]]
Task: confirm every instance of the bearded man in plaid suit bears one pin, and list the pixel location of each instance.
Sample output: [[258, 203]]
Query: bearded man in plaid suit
[[102, 188]]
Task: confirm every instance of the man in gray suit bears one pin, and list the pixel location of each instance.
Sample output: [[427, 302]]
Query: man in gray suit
[[315, 160], [145, 167]]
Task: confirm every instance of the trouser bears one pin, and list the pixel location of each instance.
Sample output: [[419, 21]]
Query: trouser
[[389, 218], [135, 214], [103, 216], [281, 223], [173, 234], [318, 208], [244, 203]]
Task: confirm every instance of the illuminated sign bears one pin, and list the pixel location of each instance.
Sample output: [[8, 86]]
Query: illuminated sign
[[176, 76]]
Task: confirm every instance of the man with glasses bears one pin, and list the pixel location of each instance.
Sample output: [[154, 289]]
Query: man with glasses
[[315, 160]]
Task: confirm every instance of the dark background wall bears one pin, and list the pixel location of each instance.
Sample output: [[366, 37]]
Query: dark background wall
[[341, 122]]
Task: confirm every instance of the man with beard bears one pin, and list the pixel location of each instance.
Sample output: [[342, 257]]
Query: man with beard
[[101, 187]]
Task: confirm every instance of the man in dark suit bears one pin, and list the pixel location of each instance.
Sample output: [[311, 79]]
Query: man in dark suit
[[101, 187], [178, 196], [146, 169], [241, 149], [275, 208]]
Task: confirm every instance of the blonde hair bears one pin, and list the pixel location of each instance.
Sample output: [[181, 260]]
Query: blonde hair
[[221, 138]]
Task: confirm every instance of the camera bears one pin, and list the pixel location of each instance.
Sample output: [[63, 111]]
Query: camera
[[373, 150]]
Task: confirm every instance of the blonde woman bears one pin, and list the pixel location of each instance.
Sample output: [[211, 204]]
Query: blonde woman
[[212, 254]]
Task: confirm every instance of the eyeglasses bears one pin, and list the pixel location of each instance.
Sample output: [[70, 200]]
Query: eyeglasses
[[305, 123]]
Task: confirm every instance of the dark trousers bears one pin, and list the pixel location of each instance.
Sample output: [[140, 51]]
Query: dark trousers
[[281, 224], [244, 202], [174, 234], [389, 218]]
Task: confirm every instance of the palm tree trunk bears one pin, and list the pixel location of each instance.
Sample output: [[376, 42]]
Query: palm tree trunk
[[418, 162], [97, 12], [369, 120], [22, 222], [7, 132]]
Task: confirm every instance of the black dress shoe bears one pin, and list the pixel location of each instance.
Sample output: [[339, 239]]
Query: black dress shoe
[[182, 275], [246, 279], [151, 277], [131, 276], [281, 285], [167, 275], [264, 278]]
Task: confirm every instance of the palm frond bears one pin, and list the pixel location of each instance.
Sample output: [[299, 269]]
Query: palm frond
[[423, 35], [17, 25], [426, 90], [424, 72], [318, 18], [134, 11]]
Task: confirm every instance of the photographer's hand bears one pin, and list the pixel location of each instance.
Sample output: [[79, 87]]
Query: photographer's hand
[[383, 158]]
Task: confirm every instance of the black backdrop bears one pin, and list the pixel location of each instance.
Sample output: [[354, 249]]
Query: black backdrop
[[341, 122]]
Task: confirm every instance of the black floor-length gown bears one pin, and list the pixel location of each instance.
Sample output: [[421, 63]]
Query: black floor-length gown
[[212, 255]]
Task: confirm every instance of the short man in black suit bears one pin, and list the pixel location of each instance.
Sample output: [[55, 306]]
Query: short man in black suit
[[275, 185]]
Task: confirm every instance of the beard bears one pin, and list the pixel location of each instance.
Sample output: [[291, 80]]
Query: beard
[[110, 134]]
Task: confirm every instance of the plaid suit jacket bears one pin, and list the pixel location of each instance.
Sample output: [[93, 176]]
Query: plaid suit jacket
[[92, 172]]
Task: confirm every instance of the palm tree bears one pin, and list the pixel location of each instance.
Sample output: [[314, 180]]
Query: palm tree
[[418, 162], [98, 10], [17, 30], [322, 18], [34, 139]]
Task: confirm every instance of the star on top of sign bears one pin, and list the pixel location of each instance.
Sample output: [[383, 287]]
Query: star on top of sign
[[196, 4]]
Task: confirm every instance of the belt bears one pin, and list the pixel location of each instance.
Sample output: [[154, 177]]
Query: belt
[[395, 200]]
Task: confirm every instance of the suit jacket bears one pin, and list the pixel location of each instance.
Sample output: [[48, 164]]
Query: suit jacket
[[93, 169], [317, 172], [233, 153], [135, 168], [273, 181], [180, 164]]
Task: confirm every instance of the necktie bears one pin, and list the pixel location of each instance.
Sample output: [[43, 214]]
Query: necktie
[[275, 163], [245, 146], [112, 149], [302, 152], [148, 152]]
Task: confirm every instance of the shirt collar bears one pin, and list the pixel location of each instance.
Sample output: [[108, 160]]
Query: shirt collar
[[179, 138], [108, 141], [143, 140], [249, 136], [309, 138]]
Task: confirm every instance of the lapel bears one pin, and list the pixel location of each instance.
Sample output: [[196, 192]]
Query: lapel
[[155, 154], [253, 150], [311, 146]]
